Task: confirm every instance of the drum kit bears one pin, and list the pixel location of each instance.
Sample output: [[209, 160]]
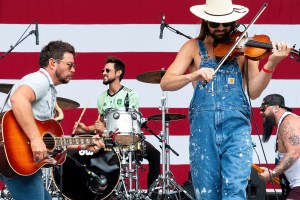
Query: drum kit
[[113, 174]]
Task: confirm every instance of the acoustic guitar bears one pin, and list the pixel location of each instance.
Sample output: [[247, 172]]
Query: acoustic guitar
[[16, 157]]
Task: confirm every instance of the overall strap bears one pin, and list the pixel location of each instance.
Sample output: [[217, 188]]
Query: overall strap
[[203, 51]]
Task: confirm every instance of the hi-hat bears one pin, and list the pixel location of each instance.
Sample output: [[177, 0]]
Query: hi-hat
[[151, 77], [168, 117], [5, 87], [65, 104]]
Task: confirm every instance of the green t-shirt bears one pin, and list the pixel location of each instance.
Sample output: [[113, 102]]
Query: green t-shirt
[[117, 100]]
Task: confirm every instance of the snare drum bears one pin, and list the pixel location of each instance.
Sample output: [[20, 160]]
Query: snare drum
[[125, 124]]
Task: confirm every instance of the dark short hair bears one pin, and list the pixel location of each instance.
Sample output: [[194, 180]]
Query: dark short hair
[[55, 50], [118, 64]]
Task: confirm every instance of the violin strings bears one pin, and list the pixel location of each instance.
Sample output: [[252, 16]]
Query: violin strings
[[259, 44]]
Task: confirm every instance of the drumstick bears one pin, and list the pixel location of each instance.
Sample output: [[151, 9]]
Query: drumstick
[[80, 117]]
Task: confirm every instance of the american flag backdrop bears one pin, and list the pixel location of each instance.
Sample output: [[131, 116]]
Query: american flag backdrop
[[130, 31]]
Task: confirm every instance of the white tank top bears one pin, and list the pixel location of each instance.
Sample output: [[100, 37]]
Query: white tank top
[[293, 173]]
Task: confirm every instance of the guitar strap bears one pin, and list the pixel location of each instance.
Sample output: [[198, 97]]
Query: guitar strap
[[1, 113], [6, 100]]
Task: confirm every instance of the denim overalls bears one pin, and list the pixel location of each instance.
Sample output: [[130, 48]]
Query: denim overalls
[[220, 140]]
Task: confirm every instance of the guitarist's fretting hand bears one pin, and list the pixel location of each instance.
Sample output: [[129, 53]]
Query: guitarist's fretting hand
[[39, 149], [96, 146]]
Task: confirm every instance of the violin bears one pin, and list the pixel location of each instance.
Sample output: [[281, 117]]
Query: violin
[[253, 48]]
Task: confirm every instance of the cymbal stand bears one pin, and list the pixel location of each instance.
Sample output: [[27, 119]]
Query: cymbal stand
[[166, 182]]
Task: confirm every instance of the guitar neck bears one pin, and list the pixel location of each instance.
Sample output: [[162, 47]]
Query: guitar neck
[[65, 141], [259, 170]]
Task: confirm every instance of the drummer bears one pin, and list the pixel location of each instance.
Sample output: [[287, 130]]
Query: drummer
[[115, 97]]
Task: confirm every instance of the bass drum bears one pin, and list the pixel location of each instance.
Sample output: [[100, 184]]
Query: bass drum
[[88, 176]]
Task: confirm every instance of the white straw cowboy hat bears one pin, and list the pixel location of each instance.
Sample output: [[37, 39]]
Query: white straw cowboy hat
[[220, 11]]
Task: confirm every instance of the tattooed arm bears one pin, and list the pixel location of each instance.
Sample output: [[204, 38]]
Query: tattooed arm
[[289, 143]]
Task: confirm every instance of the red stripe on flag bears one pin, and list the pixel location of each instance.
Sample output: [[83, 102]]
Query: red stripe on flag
[[178, 127], [133, 12], [89, 65]]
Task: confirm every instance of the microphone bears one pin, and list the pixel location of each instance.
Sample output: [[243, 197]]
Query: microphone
[[92, 174], [96, 180], [36, 33], [126, 102], [162, 26]]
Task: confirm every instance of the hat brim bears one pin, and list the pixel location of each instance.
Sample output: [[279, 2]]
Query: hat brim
[[287, 108], [198, 10]]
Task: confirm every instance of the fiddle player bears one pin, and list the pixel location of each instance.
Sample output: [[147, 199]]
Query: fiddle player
[[275, 113], [34, 97], [114, 97], [219, 113]]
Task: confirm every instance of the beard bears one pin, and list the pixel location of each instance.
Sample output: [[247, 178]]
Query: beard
[[268, 125], [219, 35], [109, 81], [61, 79]]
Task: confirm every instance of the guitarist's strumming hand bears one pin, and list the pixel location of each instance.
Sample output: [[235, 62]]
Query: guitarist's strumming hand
[[265, 175], [39, 149]]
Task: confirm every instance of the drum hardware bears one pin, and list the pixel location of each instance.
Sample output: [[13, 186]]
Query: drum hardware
[[165, 185], [129, 187], [5, 195]]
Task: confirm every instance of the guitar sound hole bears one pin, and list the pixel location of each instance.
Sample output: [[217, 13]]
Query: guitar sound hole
[[49, 141]]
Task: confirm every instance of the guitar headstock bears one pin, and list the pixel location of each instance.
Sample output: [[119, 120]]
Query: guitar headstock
[[294, 53]]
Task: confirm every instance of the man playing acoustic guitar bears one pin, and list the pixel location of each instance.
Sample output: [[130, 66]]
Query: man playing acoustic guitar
[[32, 99]]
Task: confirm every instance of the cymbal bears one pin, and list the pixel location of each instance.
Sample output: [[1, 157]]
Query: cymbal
[[168, 117], [151, 77], [5, 87], [65, 104]]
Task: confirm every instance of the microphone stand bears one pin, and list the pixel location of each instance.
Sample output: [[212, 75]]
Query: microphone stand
[[18, 42], [176, 31]]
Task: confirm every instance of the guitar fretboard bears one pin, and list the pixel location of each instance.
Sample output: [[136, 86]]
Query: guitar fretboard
[[65, 141]]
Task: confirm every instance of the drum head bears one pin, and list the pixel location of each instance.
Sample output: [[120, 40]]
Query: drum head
[[77, 181]]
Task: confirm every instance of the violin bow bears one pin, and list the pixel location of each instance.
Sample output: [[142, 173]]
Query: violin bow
[[204, 83]]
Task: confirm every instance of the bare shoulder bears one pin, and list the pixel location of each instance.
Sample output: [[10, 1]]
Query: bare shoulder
[[185, 57], [191, 44], [289, 130]]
